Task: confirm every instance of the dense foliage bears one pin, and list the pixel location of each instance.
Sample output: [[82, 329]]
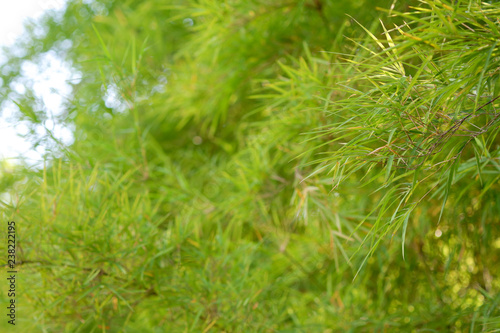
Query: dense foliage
[[262, 166]]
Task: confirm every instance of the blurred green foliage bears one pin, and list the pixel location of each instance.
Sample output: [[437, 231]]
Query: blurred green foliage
[[263, 166]]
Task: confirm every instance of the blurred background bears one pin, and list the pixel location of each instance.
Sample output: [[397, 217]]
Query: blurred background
[[51, 78]]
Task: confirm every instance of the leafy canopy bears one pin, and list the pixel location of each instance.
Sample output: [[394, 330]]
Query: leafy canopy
[[262, 166]]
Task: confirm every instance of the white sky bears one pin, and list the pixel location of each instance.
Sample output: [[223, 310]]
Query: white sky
[[13, 14]]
